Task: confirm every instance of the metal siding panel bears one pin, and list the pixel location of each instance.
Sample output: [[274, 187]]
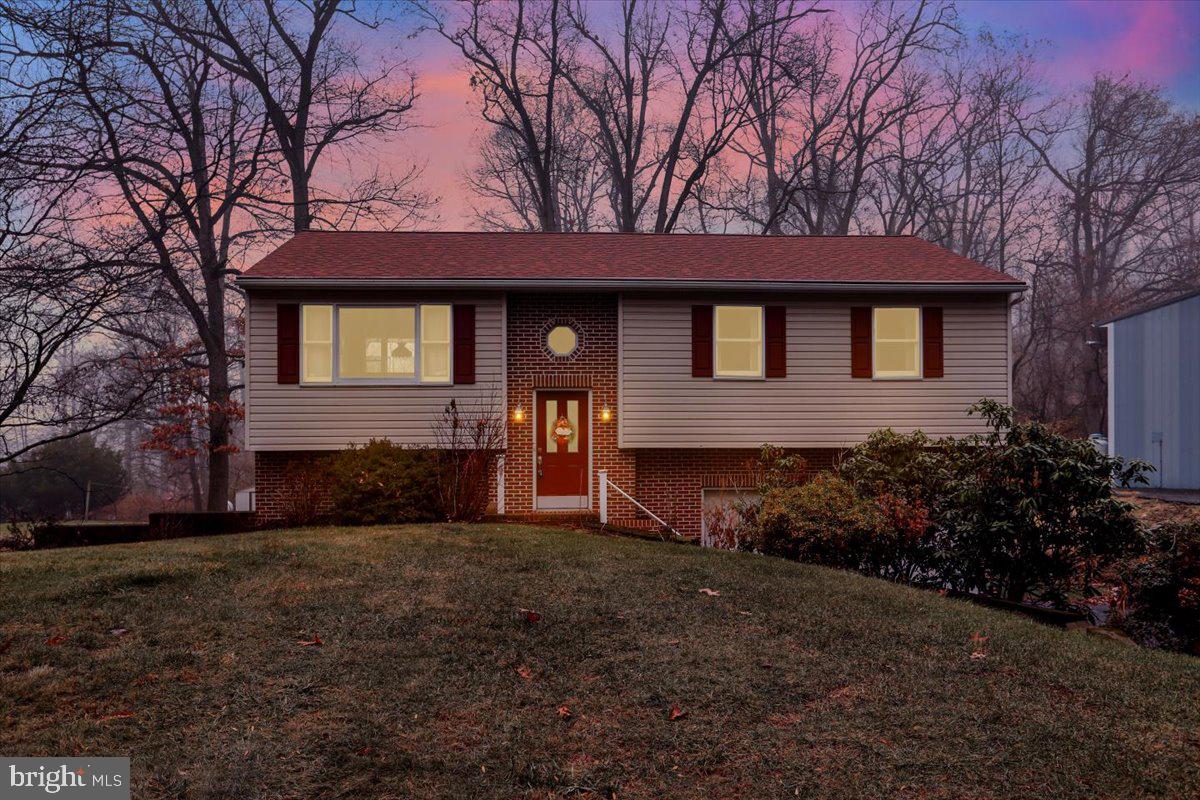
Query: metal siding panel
[[1189, 393], [1156, 388]]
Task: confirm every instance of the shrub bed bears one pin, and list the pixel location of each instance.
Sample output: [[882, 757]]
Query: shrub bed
[[1019, 512], [382, 482], [1158, 600]]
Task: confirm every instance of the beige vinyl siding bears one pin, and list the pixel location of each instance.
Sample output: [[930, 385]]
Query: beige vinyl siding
[[818, 404], [294, 417]]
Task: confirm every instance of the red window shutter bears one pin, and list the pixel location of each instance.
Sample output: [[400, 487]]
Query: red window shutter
[[287, 342], [860, 342], [464, 344], [702, 341], [776, 344], [931, 341]]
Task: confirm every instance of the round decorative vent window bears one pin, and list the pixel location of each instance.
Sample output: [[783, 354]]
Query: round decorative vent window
[[562, 340]]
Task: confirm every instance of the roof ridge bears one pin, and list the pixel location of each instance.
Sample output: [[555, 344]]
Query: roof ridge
[[764, 237]]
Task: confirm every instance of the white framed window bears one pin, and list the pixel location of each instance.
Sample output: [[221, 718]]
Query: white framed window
[[738, 341], [316, 337], [365, 344], [435, 344], [896, 342]]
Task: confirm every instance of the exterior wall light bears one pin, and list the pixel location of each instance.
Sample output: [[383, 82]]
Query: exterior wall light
[[606, 414], [518, 414]]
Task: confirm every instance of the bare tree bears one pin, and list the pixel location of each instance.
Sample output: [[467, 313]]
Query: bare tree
[[502, 181], [1125, 168], [468, 442], [822, 137], [58, 290], [317, 96], [960, 174], [178, 147], [514, 53], [616, 82]]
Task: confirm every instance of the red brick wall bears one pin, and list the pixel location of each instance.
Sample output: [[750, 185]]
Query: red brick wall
[[593, 366], [669, 482], [275, 481]]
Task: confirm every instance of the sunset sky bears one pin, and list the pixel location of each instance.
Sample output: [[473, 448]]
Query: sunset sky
[[1155, 40]]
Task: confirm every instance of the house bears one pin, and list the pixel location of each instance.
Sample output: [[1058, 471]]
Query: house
[[1154, 389], [662, 361]]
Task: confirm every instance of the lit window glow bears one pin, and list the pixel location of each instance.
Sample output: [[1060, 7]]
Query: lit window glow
[[738, 331], [435, 344], [376, 343], [317, 327], [897, 343]]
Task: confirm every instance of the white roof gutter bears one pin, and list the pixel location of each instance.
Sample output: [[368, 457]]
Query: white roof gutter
[[568, 284]]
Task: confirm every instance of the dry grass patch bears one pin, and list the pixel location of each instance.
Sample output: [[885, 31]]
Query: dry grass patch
[[406, 662]]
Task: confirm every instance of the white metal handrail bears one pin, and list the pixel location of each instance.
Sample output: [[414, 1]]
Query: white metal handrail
[[605, 483]]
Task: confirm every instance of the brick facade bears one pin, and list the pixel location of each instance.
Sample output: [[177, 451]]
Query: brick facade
[[668, 482], [593, 365], [275, 482]]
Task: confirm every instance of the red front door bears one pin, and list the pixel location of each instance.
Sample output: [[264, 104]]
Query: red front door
[[563, 440]]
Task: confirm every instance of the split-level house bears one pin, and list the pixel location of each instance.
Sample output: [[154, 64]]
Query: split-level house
[[653, 364]]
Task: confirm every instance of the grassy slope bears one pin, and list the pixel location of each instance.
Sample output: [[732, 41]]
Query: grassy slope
[[796, 681]]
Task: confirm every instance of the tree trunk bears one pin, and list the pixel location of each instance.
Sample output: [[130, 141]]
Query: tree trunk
[[193, 474], [301, 217], [218, 435]]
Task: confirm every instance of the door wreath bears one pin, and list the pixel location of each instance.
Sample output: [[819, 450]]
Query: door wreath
[[563, 430]]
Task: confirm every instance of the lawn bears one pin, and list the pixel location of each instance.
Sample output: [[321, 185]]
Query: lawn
[[200, 659]]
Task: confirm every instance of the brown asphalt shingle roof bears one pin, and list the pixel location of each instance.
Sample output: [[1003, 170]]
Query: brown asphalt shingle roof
[[619, 256]]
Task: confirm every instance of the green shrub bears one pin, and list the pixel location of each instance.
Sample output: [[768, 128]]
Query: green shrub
[[1159, 597], [908, 475], [382, 482], [823, 521], [1019, 510], [1028, 510], [907, 465], [775, 468]]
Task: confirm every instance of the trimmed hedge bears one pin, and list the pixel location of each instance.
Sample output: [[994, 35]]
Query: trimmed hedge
[[384, 483]]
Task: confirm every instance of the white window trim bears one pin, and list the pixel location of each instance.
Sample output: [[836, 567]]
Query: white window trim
[[762, 343], [920, 373], [337, 380]]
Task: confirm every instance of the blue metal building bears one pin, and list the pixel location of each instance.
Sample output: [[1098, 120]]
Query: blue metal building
[[1154, 389]]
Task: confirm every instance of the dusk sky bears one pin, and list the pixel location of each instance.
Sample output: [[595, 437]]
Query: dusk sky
[[1154, 40]]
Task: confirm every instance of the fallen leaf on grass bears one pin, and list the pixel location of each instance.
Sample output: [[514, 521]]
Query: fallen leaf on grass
[[564, 712], [710, 592], [525, 672], [676, 713], [364, 751], [55, 641], [118, 715], [315, 641], [531, 616], [765, 664], [979, 640]]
